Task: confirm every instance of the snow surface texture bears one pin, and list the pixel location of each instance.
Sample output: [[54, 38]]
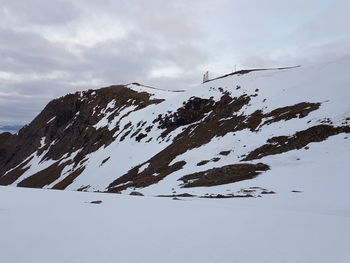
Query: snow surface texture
[[62, 226], [320, 170]]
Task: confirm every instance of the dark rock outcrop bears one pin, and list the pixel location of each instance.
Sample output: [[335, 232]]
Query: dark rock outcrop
[[66, 125], [204, 119], [280, 144], [223, 175]]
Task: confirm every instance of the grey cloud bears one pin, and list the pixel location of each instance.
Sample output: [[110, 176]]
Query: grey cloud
[[135, 57], [299, 55], [188, 35], [330, 23], [24, 52], [39, 11], [20, 110], [21, 102]]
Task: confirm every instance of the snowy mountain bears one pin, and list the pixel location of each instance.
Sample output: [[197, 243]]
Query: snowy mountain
[[247, 134], [281, 135]]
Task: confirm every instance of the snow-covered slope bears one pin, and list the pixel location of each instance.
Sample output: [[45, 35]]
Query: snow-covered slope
[[245, 135], [62, 226]]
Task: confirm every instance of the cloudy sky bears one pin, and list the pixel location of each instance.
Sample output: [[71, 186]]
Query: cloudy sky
[[50, 48]]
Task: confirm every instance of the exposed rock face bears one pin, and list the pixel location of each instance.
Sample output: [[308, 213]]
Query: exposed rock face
[[204, 120], [224, 175], [193, 136], [66, 125], [299, 140], [123, 139]]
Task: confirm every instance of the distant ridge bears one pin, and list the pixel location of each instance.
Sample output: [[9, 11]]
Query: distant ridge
[[150, 87], [245, 71]]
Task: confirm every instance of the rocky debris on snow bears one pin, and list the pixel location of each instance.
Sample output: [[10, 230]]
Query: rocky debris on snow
[[178, 195], [97, 202], [136, 193]]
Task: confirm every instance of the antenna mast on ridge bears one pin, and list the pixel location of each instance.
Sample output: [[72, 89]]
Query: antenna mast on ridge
[[206, 76]]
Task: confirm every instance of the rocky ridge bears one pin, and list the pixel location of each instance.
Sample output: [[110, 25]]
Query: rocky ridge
[[128, 137]]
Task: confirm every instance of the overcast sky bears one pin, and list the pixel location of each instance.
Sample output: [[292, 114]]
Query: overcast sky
[[51, 47]]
